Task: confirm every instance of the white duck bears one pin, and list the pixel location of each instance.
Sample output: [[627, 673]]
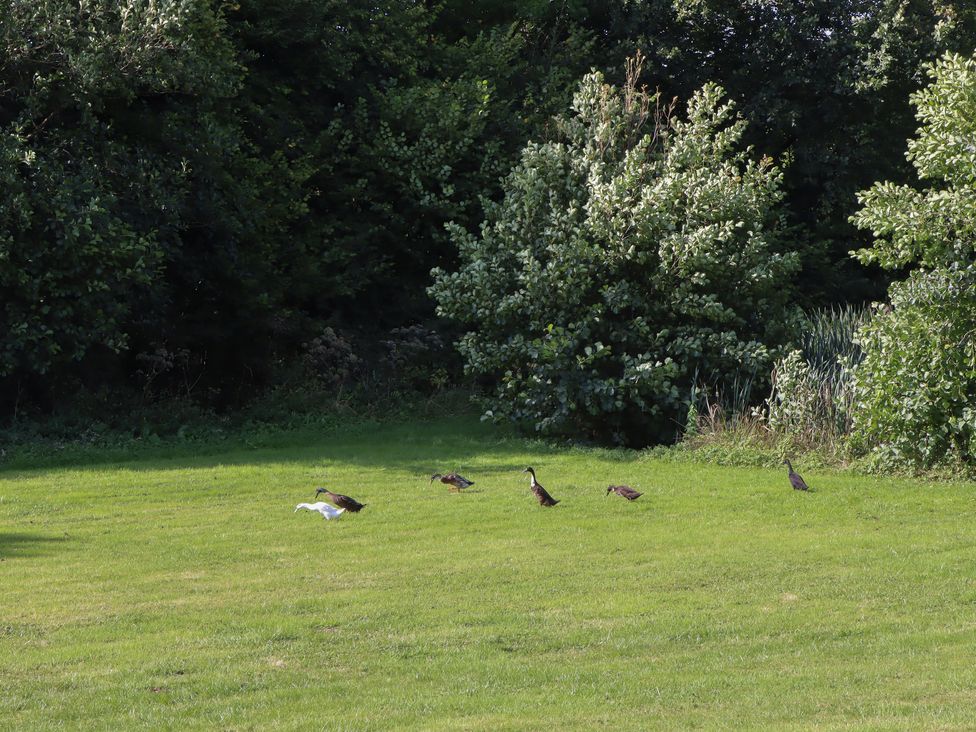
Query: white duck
[[328, 512]]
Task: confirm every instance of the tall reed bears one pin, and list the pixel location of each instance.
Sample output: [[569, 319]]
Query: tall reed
[[812, 387], [811, 395]]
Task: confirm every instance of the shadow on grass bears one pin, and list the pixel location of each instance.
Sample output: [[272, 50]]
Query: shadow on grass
[[18, 545], [419, 447]]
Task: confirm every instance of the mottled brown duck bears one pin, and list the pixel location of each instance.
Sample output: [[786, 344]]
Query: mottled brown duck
[[540, 493], [795, 480], [624, 491], [457, 482], [350, 504]]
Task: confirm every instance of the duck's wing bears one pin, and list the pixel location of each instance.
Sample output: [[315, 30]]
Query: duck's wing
[[543, 495], [350, 504], [458, 480], [798, 483]]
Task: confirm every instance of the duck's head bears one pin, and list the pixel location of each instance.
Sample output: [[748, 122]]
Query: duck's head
[[529, 470], [321, 490], [435, 476], [609, 488]]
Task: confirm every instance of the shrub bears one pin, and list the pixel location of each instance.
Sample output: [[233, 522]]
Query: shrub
[[414, 358], [916, 388], [916, 385], [330, 359], [625, 260]]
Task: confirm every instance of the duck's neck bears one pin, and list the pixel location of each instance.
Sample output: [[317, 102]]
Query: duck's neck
[[531, 477]]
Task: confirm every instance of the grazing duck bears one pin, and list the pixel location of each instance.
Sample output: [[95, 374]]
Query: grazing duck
[[350, 504], [544, 498], [795, 480], [327, 511], [457, 482], [625, 491]]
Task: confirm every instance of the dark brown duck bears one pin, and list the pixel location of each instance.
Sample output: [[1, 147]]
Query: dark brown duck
[[624, 491], [341, 501], [456, 481], [540, 493]]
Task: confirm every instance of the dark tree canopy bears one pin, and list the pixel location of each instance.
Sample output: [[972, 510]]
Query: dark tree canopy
[[217, 183]]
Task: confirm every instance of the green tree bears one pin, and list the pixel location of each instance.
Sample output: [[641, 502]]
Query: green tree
[[88, 204], [629, 257], [824, 85], [917, 384]]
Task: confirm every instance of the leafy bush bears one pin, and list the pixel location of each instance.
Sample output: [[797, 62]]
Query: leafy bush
[[625, 260], [330, 359], [136, 210], [414, 358], [916, 385], [83, 217], [916, 388]]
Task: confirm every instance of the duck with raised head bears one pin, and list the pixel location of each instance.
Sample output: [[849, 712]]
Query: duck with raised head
[[624, 491], [540, 493], [457, 482], [795, 480], [349, 504]]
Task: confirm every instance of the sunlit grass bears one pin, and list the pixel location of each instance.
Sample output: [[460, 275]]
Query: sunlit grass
[[184, 592]]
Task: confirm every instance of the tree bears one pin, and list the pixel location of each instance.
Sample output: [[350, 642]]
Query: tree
[[917, 383], [91, 196], [824, 85], [629, 258]]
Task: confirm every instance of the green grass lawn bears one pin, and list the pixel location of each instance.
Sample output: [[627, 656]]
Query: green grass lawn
[[182, 591]]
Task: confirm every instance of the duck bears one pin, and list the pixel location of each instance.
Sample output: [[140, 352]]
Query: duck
[[540, 493], [327, 511], [795, 480], [624, 491], [349, 504], [456, 481]]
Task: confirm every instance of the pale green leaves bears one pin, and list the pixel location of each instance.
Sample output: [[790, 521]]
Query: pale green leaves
[[918, 379], [625, 258], [936, 226]]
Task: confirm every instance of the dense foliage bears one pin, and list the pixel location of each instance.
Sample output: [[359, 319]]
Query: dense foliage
[[94, 189], [136, 213], [626, 261], [194, 192], [917, 385], [915, 391]]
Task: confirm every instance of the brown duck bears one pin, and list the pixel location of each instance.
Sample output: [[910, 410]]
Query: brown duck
[[540, 493], [624, 491], [341, 501], [457, 482]]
